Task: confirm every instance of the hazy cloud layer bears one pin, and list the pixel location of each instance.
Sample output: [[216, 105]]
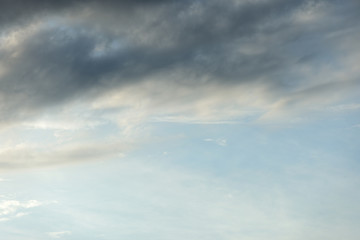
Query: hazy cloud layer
[[27, 156]]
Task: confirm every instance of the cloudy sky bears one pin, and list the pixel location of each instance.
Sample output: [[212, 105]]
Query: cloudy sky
[[193, 119]]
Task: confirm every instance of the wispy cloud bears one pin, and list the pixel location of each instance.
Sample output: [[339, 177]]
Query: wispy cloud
[[31, 156], [10, 209], [59, 234], [219, 141]]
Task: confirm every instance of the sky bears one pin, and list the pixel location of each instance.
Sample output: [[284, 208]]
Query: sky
[[193, 119]]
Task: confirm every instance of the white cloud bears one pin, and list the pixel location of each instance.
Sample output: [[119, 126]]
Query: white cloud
[[21, 214], [10, 209]]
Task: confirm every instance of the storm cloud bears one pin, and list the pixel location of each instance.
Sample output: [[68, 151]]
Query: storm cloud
[[53, 52]]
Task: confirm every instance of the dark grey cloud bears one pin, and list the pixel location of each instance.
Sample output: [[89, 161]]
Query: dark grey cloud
[[18, 11], [124, 42]]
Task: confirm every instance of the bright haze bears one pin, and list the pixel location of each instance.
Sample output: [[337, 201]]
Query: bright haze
[[173, 120]]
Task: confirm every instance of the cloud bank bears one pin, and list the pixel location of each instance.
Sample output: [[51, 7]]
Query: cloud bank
[[67, 49], [130, 62]]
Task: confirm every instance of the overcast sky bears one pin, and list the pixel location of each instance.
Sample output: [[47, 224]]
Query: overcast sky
[[161, 119]]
